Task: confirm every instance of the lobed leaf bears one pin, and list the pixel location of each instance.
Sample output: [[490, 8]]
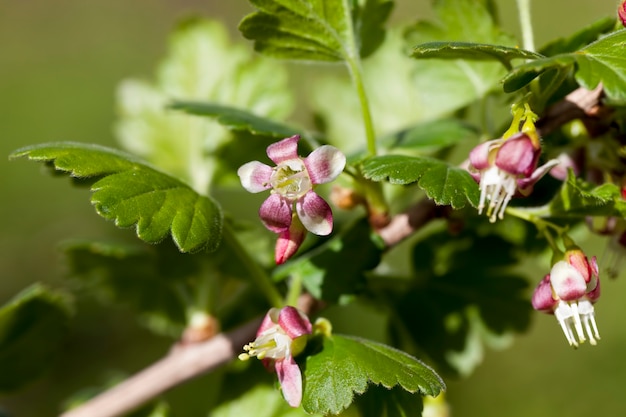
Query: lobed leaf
[[33, 326], [580, 199], [579, 38], [345, 366], [132, 193], [371, 18], [472, 51], [599, 62], [444, 184]]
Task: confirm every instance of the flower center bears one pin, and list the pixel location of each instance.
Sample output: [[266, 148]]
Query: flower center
[[272, 343], [291, 179]]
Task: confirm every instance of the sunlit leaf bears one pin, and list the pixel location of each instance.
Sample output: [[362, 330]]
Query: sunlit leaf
[[444, 184], [131, 193], [346, 365], [600, 62], [33, 326]]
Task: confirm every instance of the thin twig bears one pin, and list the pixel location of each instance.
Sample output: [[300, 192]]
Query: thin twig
[[181, 364]]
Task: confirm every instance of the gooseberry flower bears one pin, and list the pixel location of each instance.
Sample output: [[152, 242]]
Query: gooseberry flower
[[505, 168], [621, 12], [568, 292], [291, 182], [282, 336]]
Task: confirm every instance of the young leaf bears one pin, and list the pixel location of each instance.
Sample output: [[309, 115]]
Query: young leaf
[[579, 199], [236, 119], [600, 62], [202, 64], [472, 51], [444, 184], [318, 30], [346, 365], [134, 194], [33, 326]]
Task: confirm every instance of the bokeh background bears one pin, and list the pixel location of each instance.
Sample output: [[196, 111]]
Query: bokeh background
[[60, 63]]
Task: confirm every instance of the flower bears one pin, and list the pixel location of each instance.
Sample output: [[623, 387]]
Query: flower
[[291, 182], [282, 336], [568, 292], [504, 168], [621, 12]]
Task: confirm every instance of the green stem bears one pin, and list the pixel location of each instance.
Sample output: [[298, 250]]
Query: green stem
[[523, 7], [295, 289], [257, 274], [355, 72], [532, 216]]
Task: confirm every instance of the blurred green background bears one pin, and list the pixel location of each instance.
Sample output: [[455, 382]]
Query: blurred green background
[[60, 63]]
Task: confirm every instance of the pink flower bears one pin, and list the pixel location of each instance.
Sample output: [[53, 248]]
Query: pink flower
[[621, 12], [504, 168], [291, 182], [282, 336], [569, 292]]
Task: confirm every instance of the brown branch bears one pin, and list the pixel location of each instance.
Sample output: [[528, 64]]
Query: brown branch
[[183, 363]]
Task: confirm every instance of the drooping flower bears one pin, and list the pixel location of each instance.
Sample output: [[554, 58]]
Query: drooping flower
[[569, 292], [621, 12], [292, 197], [282, 336], [505, 168]]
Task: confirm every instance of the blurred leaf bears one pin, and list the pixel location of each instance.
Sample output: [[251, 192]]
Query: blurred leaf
[[371, 18], [318, 30], [345, 366], [379, 401], [203, 65], [237, 119], [260, 401], [33, 326], [600, 62], [444, 184], [578, 198], [472, 52], [580, 38], [432, 134], [146, 278], [325, 272], [132, 193], [462, 299]]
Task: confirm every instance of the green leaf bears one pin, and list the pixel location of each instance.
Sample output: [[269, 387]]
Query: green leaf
[[578, 198], [260, 401], [600, 62], [134, 194], [318, 30], [580, 38], [202, 65], [371, 18], [444, 184], [146, 278], [472, 51], [431, 135], [379, 401], [33, 326], [237, 119], [325, 273], [462, 301], [345, 366]]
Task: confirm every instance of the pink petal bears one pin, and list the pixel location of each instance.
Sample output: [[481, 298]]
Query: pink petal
[[578, 260], [315, 214], [518, 156], [290, 380], [525, 185], [270, 320], [255, 176], [284, 149], [568, 284], [324, 164], [542, 299], [294, 322], [594, 294], [289, 241], [479, 156], [275, 213]]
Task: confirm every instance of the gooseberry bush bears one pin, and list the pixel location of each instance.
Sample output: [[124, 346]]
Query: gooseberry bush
[[423, 169]]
